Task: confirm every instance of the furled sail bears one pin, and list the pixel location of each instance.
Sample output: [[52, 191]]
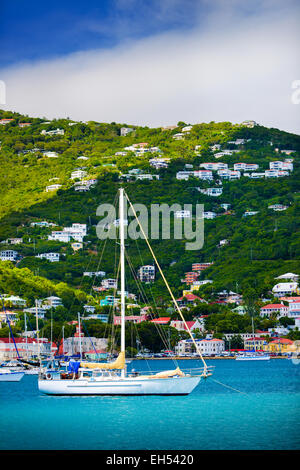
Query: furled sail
[[119, 363]]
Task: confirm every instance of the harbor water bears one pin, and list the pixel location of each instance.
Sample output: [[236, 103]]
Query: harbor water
[[251, 405]]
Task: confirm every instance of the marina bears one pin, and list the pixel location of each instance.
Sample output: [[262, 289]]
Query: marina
[[245, 405]]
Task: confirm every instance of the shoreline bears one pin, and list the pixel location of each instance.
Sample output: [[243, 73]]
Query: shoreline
[[195, 358]]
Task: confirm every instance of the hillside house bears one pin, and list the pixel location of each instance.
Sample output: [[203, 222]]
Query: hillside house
[[214, 166], [53, 187], [53, 132], [209, 215], [146, 273], [285, 288], [125, 131], [9, 255], [52, 257], [271, 309], [278, 207], [214, 192]]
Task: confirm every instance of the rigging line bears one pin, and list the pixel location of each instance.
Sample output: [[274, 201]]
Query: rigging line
[[10, 329], [161, 332], [103, 248], [228, 386], [168, 287], [139, 285]]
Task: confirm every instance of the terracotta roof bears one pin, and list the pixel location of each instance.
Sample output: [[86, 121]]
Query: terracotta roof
[[189, 297], [281, 341], [162, 320], [273, 306]]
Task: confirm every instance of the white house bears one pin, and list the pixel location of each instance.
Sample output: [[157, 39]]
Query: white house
[[278, 207], [78, 174], [248, 213], [43, 223], [110, 283], [52, 187], [9, 255], [294, 309], [51, 302], [146, 273], [285, 288], [53, 132], [183, 214], [53, 257], [211, 191], [249, 123], [255, 176], [187, 129], [94, 273], [50, 154], [224, 153], [214, 166], [125, 131], [203, 174], [207, 346], [15, 300], [279, 165], [289, 276], [229, 174], [270, 309], [147, 177], [178, 136], [215, 147], [245, 166], [184, 175], [209, 215], [76, 232]]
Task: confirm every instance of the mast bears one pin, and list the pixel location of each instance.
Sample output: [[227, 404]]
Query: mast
[[63, 340], [122, 263], [26, 347], [37, 330], [254, 346], [79, 332]]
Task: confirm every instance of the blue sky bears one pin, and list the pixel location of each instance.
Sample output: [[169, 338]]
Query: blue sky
[[152, 62], [33, 30]]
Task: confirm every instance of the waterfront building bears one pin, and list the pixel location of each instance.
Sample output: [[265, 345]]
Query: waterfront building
[[207, 346]]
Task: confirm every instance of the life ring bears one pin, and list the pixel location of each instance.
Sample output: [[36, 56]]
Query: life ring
[[49, 376]]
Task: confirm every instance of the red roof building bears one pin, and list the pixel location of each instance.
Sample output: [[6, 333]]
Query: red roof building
[[161, 320]]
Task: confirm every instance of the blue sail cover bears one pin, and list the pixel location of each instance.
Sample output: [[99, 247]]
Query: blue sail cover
[[73, 366]]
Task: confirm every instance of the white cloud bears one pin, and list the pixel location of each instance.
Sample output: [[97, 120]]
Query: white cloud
[[237, 67]]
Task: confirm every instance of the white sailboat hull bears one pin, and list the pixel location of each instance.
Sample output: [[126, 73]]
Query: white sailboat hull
[[126, 386], [11, 376], [252, 358]]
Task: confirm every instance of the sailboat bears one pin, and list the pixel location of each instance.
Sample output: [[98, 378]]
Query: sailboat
[[87, 378], [8, 371], [253, 355]]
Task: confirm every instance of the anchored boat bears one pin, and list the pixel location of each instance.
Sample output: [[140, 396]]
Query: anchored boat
[[86, 378]]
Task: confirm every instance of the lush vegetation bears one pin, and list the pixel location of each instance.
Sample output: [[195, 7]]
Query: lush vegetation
[[260, 248]]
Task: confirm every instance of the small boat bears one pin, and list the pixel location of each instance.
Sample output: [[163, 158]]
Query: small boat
[[252, 356], [112, 378], [7, 375]]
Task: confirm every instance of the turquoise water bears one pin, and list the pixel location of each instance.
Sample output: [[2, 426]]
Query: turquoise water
[[264, 417]]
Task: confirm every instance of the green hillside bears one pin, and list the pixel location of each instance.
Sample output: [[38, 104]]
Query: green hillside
[[260, 247]]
